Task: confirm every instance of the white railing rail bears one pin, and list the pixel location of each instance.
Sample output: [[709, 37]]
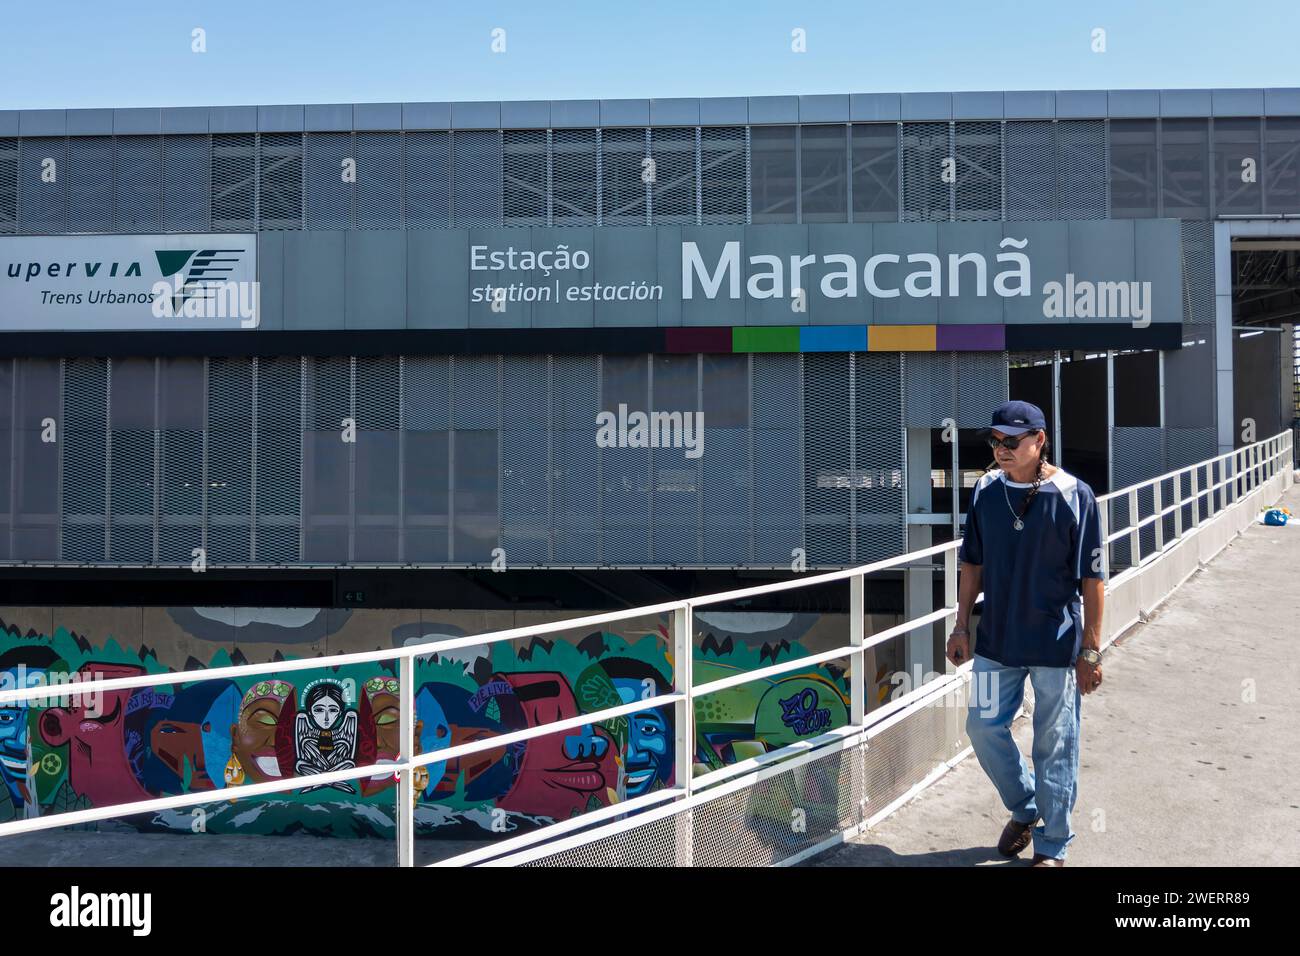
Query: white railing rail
[[1239, 473]]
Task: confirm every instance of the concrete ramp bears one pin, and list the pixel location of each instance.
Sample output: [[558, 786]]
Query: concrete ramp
[[1188, 750]]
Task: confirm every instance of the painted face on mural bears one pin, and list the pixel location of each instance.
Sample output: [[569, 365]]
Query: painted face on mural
[[325, 713], [13, 731], [648, 758], [175, 742], [252, 738], [94, 726], [560, 772]]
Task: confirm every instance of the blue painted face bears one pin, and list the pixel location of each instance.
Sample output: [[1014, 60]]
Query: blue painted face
[[649, 752], [13, 728]]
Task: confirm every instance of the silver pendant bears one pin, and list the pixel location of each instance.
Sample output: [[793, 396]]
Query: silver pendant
[[1019, 525]]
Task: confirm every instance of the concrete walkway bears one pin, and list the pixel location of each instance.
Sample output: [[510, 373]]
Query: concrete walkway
[[1188, 750]]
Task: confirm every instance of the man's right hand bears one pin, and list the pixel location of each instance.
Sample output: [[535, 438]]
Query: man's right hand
[[958, 647]]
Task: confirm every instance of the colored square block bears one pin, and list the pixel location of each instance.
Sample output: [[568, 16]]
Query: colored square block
[[901, 338], [971, 338], [686, 339], [765, 338], [833, 338]]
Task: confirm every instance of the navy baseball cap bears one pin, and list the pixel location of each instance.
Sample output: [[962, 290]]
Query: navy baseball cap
[[1016, 418]]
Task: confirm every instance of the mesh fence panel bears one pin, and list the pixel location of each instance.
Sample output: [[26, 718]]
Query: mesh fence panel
[[379, 180], [329, 173], [623, 192], [89, 175], [234, 182], [186, 184], [41, 185], [1081, 169], [672, 176], [977, 190], [1031, 170], [8, 185], [427, 166], [575, 179], [525, 175], [476, 178], [279, 181], [926, 153], [724, 175], [138, 184]]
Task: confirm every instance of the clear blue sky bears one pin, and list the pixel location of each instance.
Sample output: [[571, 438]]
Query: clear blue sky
[[137, 52]]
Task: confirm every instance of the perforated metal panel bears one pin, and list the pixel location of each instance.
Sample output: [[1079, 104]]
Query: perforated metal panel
[[84, 505], [1031, 170], [428, 180], [926, 153], [379, 180], [279, 396], [329, 171], [624, 195], [930, 385], [234, 182], [229, 468], [982, 385], [977, 191], [879, 488], [1081, 163], [8, 186], [138, 184], [1198, 272], [476, 180], [828, 480], [724, 174], [874, 155], [526, 466], [778, 457], [1054, 170], [575, 179], [525, 175], [41, 185], [89, 175], [186, 184], [279, 181], [435, 459], [673, 175], [1139, 454]]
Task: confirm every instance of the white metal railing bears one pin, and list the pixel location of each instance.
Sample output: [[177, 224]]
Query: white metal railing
[[1240, 473]]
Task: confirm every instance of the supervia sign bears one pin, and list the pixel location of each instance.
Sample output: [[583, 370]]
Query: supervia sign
[[174, 282]]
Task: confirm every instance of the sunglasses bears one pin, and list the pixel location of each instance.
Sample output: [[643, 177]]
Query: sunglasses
[[1011, 442]]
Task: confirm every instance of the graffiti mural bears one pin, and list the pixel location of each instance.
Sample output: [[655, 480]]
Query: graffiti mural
[[216, 736]]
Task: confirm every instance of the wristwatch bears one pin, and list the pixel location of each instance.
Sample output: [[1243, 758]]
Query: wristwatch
[[1091, 656]]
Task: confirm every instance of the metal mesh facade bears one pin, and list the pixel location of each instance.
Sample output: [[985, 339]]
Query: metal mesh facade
[[850, 172], [443, 459]]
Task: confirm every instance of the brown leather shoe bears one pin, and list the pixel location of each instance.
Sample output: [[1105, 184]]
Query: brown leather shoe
[[1015, 837], [1041, 860]]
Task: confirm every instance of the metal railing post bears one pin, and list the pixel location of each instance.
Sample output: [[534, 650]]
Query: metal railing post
[[1178, 506], [1134, 545], [858, 668], [1104, 514], [684, 726], [1158, 500], [405, 786], [1196, 496], [950, 596]]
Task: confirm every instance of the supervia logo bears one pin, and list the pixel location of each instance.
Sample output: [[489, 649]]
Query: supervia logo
[[201, 285]]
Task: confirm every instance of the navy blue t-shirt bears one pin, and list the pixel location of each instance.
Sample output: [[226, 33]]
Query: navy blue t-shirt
[[1031, 577]]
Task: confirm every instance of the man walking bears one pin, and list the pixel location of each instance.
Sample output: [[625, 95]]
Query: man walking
[[1032, 543]]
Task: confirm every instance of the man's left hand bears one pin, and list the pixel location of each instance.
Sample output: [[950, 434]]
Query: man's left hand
[[1088, 675]]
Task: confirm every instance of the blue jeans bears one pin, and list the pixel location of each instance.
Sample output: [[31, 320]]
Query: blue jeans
[[1050, 792]]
